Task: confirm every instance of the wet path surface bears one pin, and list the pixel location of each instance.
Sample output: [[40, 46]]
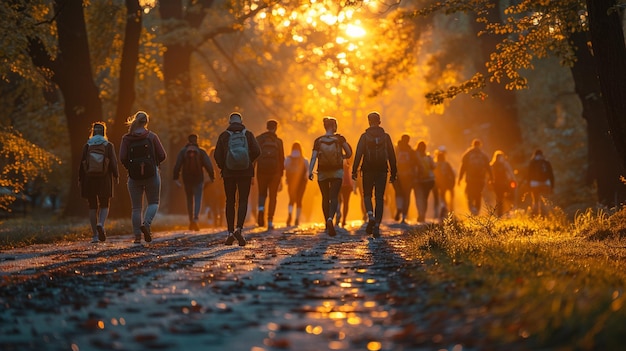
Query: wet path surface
[[297, 289]]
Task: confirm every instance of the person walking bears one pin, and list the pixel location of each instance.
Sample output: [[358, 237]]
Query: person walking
[[269, 172], [541, 182], [407, 169], [424, 182], [98, 169], [141, 153], [375, 149], [235, 152], [503, 180], [329, 151], [445, 177], [192, 160], [475, 168], [296, 167]]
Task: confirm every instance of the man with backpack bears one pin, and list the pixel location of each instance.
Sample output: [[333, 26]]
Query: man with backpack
[[193, 160], [235, 152], [540, 179], [376, 149], [475, 167], [269, 172], [329, 151], [406, 160]]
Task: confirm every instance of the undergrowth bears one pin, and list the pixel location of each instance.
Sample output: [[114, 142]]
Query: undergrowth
[[544, 282]]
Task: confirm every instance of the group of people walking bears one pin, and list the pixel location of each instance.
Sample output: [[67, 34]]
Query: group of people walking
[[242, 157]]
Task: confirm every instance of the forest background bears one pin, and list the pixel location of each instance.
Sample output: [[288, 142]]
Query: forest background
[[519, 76]]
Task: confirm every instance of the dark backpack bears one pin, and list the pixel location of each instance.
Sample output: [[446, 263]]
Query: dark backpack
[[141, 162], [375, 152], [97, 163], [329, 154], [542, 170], [192, 163], [268, 162], [476, 163], [237, 157]]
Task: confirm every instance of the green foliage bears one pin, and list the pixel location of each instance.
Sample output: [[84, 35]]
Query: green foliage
[[22, 162]]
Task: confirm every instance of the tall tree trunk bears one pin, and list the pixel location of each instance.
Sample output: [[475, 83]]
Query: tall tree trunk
[[603, 170], [177, 76], [500, 109], [73, 75], [609, 51], [126, 97]]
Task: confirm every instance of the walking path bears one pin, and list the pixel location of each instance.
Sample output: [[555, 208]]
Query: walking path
[[294, 289]]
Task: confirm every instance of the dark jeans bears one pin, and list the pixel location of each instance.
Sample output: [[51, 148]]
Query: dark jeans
[[237, 190], [474, 192], [374, 183], [98, 201], [268, 182], [422, 192], [193, 193], [330, 196]]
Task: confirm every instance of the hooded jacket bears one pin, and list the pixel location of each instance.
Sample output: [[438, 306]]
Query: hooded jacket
[[391, 165], [221, 150], [98, 186]]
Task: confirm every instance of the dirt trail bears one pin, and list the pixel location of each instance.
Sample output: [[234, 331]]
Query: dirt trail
[[287, 289]]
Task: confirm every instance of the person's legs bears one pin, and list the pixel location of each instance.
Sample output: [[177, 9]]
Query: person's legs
[[325, 191], [153, 195], [189, 198], [230, 189], [345, 201], [273, 185], [333, 194], [243, 190], [93, 217], [263, 181], [197, 200], [368, 188], [135, 191], [103, 213], [380, 184]]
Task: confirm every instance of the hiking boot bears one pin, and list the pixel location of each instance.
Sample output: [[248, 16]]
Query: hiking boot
[[288, 220], [296, 222], [397, 216], [101, 234], [330, 228], [239, 237], [370, 226], [94, 239], [376, 232], [261, 219], [147, 235], [229, 240]]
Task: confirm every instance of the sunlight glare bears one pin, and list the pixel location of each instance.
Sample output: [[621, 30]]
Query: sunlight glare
[[355, 31]]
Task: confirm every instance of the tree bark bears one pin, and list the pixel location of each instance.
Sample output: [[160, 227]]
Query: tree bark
[[603, 170], [126, 98], [73, 75], [609, 51]]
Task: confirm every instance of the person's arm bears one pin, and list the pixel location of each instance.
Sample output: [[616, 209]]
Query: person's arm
[[81, 168], [347, 149], [312, 164], [179, 163], [358, 156], [159, 150], [462, 169], [115, 172], [218, 155], [281, 152], [124, 153], [253, 146], [208, 165]]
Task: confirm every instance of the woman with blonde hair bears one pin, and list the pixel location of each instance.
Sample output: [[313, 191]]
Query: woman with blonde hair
[[141, 153]]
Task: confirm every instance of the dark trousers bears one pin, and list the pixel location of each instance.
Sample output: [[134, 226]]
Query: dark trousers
[[237, 190], [330, 196], [193, 194], [268, 182], [374, 183]]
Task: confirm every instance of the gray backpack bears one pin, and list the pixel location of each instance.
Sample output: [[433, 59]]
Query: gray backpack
[[237, 157]]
